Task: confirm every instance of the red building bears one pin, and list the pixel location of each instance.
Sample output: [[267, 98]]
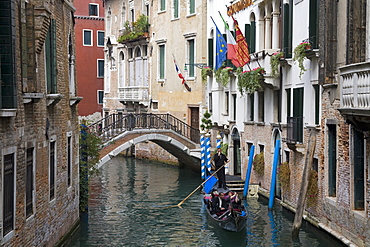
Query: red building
[[89, 29]]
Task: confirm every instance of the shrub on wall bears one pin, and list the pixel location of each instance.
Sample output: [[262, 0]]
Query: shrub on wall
[[313, 189], [284, 175], [259, 163]]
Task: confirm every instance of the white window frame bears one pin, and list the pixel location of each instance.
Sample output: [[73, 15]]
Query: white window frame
[[97, 94], [97, 8], [97, 38], [91, 37], [97, 68]]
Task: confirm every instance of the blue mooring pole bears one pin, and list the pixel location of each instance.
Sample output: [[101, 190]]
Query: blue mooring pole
[[273, 174], [248, 176]]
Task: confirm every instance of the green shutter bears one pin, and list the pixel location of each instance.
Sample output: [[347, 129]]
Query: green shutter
[[288, 101], [54, 56], [247, 31], [313, 23], [317, 103], [298, 112], [8, 90], [252, 45], [161, 61], [251, 101], [287, 30], [163, 5], [191, 58], [210, 53], [176, 9], [192, 7]]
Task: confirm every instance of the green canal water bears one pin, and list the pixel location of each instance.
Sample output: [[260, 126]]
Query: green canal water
[[127, 207]]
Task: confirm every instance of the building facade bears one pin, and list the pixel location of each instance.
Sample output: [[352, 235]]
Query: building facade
[[327, 97], [89, 28], [39, 123]]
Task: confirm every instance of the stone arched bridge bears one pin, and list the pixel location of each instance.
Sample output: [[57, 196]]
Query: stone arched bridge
[[120, 132]]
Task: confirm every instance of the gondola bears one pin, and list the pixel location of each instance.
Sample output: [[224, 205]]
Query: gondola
[[233, 220]]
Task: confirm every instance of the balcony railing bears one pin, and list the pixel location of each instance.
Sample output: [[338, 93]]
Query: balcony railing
[[355, 86], [294, 130], [134, 93]]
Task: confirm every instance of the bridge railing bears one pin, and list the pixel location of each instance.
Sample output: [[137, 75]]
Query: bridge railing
[[115, 124]]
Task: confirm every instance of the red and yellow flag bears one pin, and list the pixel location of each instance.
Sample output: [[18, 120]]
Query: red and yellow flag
[[242, 53]]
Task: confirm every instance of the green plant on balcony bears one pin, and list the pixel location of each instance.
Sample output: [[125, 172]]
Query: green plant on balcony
[[275, 62], [223, 75], [259, 164], [300, 56], [206, 71], [249, 81], [136, 30]]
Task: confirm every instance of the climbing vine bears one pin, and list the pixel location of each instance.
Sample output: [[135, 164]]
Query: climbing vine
[[90, 145], [313, 189], [259, 164]]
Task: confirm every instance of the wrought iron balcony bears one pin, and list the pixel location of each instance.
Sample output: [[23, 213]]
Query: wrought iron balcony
[[355, 94], [138, 94], [294, 130]]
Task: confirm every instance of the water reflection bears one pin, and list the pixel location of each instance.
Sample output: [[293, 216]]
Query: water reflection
[[127, 208]]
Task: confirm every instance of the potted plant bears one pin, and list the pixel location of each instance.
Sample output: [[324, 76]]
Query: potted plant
[[249, 81], [300, 56], [275, 62], [206, 71], [223, 75], [139, 28]]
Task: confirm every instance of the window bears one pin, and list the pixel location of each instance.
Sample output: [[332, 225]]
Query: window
[[298, 94], [251, 107], [161, 62], [317, 103], [29, 181], [175, 9], [8, 97], [261, 106], [155, 105], [50, 59], [358, 163], [191, 57], [87, 38], [93, 9], [69, 158], [226, 103], [314, 23], [250, 36], [210, 53], [100, 38], [162, 5], [233, 98], [100, 97], [100, 68], [332, 159], [210, 102], [52, 170], [191, 7], [8, 193], [287, 28]]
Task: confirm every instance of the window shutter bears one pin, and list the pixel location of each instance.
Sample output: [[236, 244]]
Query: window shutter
[[210, 53], [313, 23], [252, 48], [191, 58]]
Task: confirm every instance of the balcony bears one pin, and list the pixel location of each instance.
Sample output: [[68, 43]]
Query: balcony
[[294, 135], [139, 94], [355, 94]]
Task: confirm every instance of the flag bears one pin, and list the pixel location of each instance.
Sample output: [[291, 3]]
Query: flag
[[221, 48], [179, 72], [237, 50], [242, 51], [180, 75]]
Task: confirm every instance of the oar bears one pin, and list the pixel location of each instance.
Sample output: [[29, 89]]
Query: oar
[[180, 203]]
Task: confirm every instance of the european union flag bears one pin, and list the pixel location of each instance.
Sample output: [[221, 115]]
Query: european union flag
[[221, 48]]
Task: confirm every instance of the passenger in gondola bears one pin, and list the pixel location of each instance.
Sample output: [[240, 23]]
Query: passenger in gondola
[[234, 200], [219, 204]]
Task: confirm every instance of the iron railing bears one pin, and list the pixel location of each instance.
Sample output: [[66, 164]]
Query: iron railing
[[115, 124], [294, 130]]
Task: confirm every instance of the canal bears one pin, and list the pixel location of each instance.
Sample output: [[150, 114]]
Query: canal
[[127, 207]]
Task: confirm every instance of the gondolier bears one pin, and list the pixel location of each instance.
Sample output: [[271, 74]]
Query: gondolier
[[220, 159]]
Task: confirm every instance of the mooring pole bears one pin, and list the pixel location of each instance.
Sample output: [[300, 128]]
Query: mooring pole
[[273, 174], [304, 185], [248, 176]]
